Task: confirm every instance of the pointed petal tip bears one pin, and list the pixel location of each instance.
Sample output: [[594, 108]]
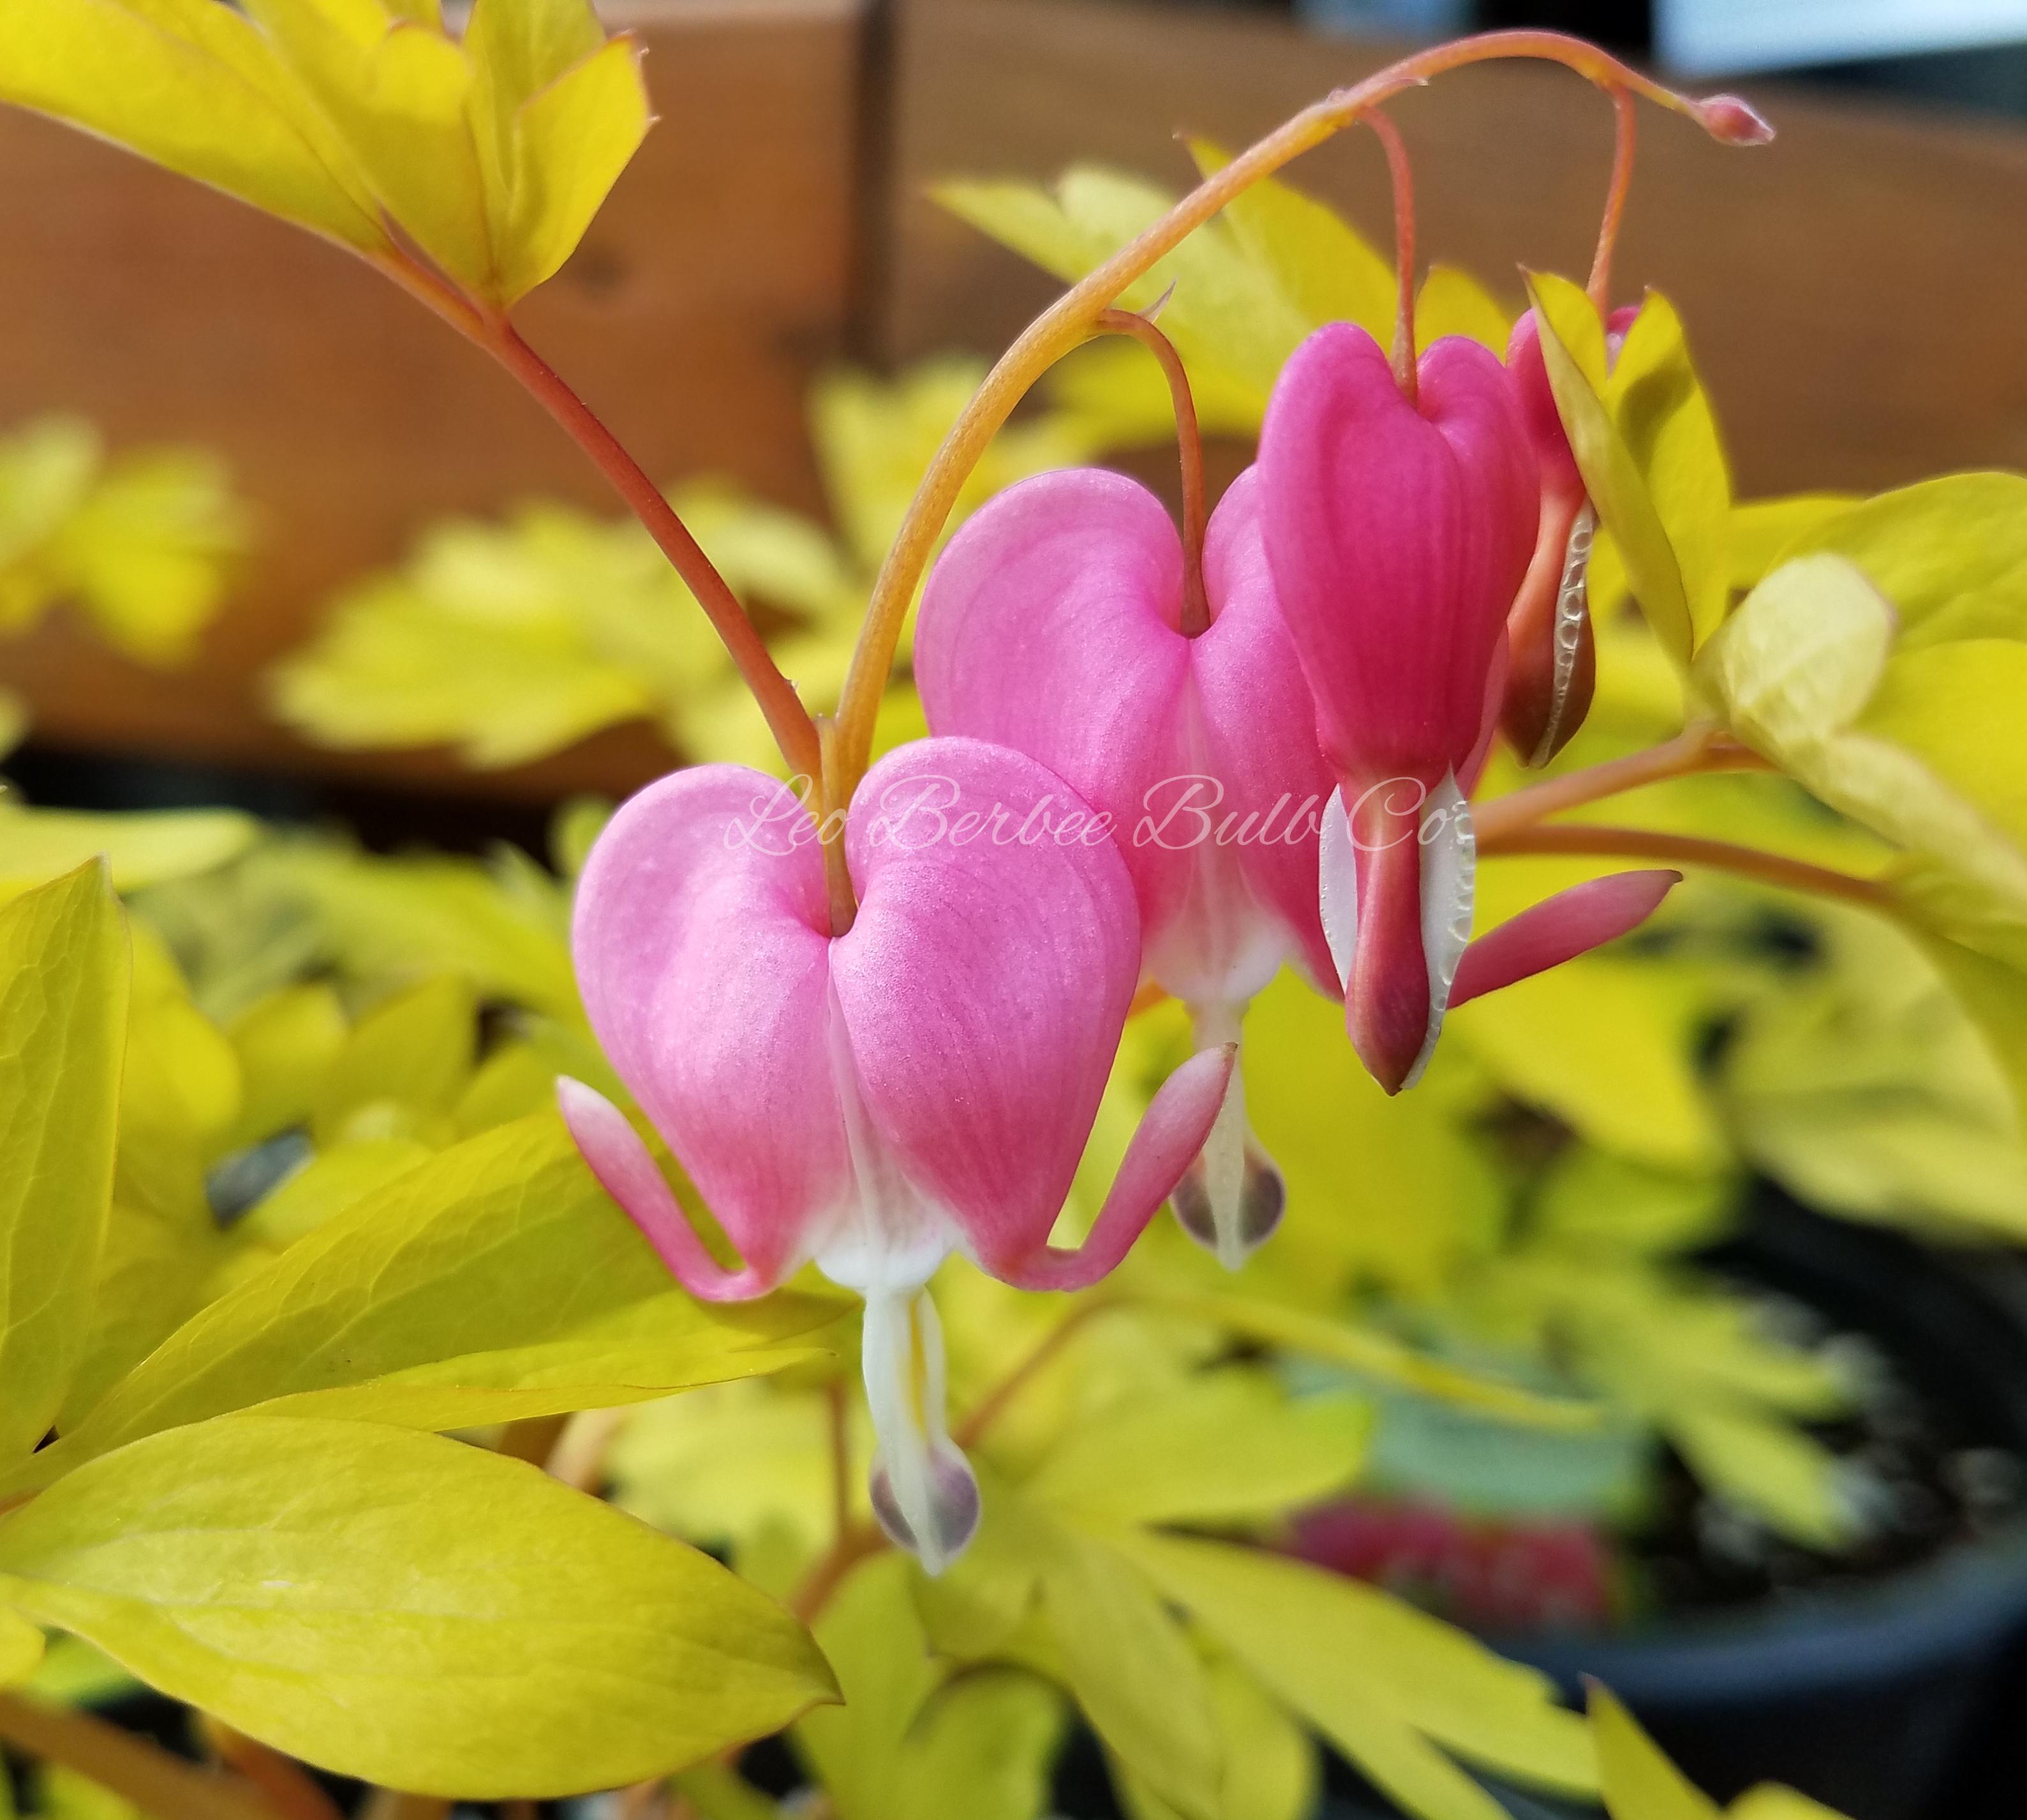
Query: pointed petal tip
[[613, 1151], [1560, 928]]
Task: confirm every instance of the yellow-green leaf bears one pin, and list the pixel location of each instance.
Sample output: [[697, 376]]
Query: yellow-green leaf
[[1794, 670], [1573, 347], [1133, 1674], [501, 1243], [285, 1042], [1770, 1801], [1768, 1467], [63, 980], [873, 1641], [402, 1067], [1321, 264], [21, 1645], [1216, 1449], [144, 848], [405, 1608], [192, 85], [1373, 1674], [982, 1748], [570, 141], [1950, 554], [1453, 302], [1636, 1782], [1664, 418]]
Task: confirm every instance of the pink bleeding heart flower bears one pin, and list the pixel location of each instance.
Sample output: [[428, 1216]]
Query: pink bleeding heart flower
[[1553, 669], [1398, 532], [1054, 624], [923, 1083]]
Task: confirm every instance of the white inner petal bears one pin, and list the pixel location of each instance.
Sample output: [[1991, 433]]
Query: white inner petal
[[1449, 878], [1337, 878], [1572, 606], [886, 1241]]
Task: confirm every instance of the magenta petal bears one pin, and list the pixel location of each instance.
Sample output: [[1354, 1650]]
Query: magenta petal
[[1049, 626], [1052, 625], [1559, 928], [1260, 735], [1398, 535], [701, 938], [627, 1172], [1172, 1132], [985, 982]]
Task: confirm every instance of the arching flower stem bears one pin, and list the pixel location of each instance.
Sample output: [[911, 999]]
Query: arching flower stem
[[1068, 321], [794, 731], [1189, 449], [1624, 132], [1401, 177], [1699, 748], [1588, 838]]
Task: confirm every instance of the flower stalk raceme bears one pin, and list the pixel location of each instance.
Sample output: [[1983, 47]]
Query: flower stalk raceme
[[874, 1101]]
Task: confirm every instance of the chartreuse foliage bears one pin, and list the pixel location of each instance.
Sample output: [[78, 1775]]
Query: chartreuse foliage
[[64, 977], [243, 1505], [1249, 286], [513, 640], [141, 544], [303, 1578], [360, 119], [1638, 1783]]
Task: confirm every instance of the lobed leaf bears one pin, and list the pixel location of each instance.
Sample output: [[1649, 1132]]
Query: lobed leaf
[[1386, 1683]]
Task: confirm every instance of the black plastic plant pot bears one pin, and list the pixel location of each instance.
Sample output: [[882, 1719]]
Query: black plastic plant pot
[[1883, 1700]]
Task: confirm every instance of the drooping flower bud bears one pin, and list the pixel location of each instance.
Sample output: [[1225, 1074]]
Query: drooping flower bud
[[1553, 666]]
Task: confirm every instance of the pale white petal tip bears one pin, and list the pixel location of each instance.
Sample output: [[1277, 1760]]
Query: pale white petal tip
[[923, 1490], [950, 1514], [1232, 1225]]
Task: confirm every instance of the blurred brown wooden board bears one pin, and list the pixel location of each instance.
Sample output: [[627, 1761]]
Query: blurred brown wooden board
[[714, 285], [1853, 292]]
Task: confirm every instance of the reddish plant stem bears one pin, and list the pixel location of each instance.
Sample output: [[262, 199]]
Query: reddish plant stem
[[289, 1788], [856, 1544], [1696, 748], [160, 1785], [1625, 127], [789, 722], [1189, 448], [829, 802], [1691, 850], [1067, 321], [972, 1429], [1402, 176]]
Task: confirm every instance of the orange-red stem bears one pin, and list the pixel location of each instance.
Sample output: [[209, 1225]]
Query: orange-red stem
[[1624, 132], [1189, 447], [1402, 177], [789, 722]]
